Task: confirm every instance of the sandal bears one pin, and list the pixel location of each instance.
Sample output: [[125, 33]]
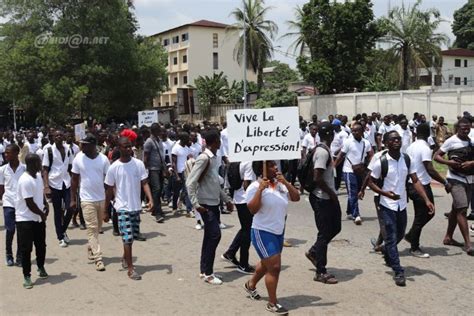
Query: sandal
[[325, 278], [252, 293], [470, 251], [134, 275], [453, 242]]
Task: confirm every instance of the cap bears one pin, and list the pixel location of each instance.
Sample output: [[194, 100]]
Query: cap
[[89, 139], [325, 128], [336, 122]]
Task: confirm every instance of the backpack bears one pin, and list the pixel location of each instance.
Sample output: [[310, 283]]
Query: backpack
[[384, 167], [233, 176], [306, 170], [50, 157]]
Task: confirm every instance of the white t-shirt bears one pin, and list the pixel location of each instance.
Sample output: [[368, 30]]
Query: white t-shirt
[[195, 149], [9, 179], [127, 177], [74, 149], [32, 147], [28, 187], [181, 154], [395, 181], [59, 169], [420, 152], [406, 136], [337, 142], [310, 142], [246, 173], [167, 147], [371, 132], [453, 143], [92, 173], [271, 216], [355, 152], [225, 142], [385, 129]]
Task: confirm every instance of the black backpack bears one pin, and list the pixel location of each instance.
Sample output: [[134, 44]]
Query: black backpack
[[384, 167], [306, 170], [233, 176]]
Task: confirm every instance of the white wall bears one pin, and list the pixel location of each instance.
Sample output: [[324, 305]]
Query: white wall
[[444, 102]]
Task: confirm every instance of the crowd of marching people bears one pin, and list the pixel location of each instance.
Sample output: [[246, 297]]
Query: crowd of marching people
[[117, 173]]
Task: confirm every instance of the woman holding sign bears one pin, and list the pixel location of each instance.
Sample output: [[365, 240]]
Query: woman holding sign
[[267, 199]]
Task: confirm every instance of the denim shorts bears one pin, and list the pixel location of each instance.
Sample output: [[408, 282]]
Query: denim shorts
[[129, 225], [266, 244]]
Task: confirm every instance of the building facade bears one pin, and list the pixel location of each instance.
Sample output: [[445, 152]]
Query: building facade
[[458, 68], [197, 49]]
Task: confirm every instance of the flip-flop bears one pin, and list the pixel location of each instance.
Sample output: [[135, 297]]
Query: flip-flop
[[454, 243], [470, 252]]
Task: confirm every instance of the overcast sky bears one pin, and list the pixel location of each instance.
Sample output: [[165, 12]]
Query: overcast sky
[[155, 16]]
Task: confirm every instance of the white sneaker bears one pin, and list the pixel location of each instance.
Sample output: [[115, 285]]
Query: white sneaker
[[66, 238], [212, 279], [358, 220], [62, 243], [198, 226], [170, 204], [222, 226], [419, 254]]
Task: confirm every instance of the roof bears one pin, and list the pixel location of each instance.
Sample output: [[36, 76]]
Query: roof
[[201, 23], [459, 52]]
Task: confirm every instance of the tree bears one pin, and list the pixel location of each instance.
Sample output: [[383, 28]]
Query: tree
[[299, 44], [68, 59], [275, 92], [379, 73], [211, 91], [413, 38], [235, 91], [339, 36], [463, 26], [259, 34]]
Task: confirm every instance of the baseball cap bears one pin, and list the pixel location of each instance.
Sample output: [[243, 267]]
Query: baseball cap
[[325, 128], [336, 122], [89, 139]]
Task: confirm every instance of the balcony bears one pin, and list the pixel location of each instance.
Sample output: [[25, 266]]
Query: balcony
[[178, 46]]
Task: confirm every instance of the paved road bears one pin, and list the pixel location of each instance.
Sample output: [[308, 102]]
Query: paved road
[[169, 263]]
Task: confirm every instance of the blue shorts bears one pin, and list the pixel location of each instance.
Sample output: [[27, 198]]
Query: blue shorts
[[129, 225], [266, 244]]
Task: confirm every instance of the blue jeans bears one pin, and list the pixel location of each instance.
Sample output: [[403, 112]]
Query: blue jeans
[[156, 186], [62, 217], [212, 237], [177, 186], [395, 225], [353, 184], [9, 215]]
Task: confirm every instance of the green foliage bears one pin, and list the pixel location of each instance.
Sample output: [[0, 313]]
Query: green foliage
[[110, 72], [463, 26], [211, 91], [413, 38], [259, 35], [339, 36], [379, 71], [275, 92], [299, 45]]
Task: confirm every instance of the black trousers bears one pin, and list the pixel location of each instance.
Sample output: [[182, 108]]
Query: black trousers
[[212, 237], [242, 238], [338, 177], [421, 214], [30, 233], [327, 215]]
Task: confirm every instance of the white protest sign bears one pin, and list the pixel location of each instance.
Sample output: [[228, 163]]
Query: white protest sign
[[263, 134], [79, 131], [147, 118]]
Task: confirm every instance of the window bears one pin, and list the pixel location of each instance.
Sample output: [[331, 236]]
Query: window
[[175, 60], [215, 61], [215, 40], [175, 81], [185, 79], [167, 104], [465, 81], [185, 59], [457, 81], [175, 39], [166, 42], [465, 62], [184, 37], [457, 63]]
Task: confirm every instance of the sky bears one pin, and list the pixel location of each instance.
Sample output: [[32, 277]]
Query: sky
[[155, 16]]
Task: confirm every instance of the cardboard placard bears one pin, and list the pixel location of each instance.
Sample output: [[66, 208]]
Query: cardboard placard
[[79, 131], [147, 118]]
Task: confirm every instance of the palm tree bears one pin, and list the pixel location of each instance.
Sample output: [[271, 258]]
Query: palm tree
[[259, 34], [412, 34], [299, 44], [211, 91]]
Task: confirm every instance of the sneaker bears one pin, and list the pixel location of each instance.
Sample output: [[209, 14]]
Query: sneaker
[[62, 243], [42, 274], [225, 211], [198, 226], [358, 220], [447, 214], [9, 261], [170, 204], [311, 258], [18, 262], [90, 255], [134, 275], [27, 284], [230, 259], [252, 293], [82, 227], [212, 279], [246, 270], [325, 278], [99, 266], [419, 254], [276, 309], [160, 219], [66, 238], [202, 275], [470, 217], [349, 217], [189, 214], [400, 279], [286, 243], [222, 226]]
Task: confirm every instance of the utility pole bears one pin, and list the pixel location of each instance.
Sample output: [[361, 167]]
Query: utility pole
[[245, 60], [14, 115], [432, 73]]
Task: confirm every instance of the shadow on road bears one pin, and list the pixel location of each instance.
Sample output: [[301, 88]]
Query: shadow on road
[[156, 267], [434, 252], [297, 301], [78, 242], [55, 279], [411, 272], [345, 275], [152, 235]]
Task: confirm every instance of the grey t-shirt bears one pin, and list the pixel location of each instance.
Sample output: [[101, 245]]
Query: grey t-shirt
[[320, 161], [156, 160]]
